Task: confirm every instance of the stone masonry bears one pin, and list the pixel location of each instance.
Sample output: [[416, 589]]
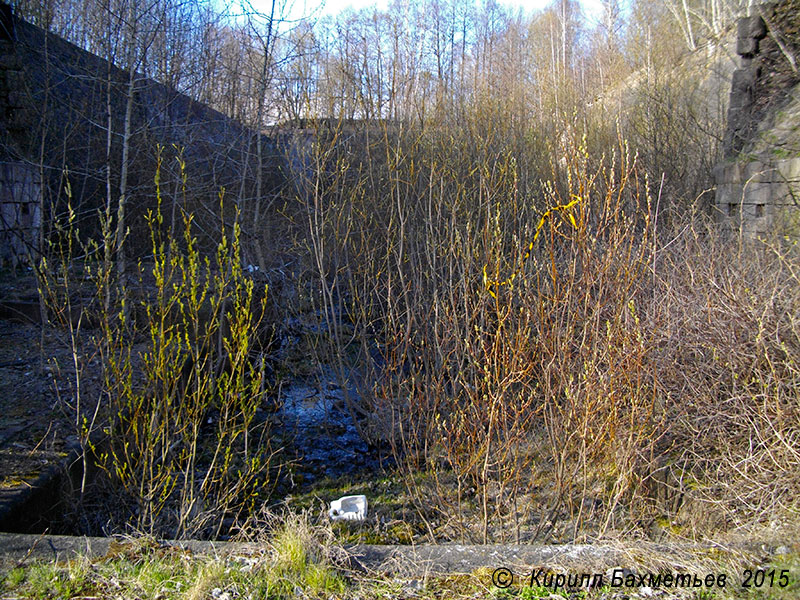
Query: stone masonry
[[758, 183], [20, 185], [57, 101]]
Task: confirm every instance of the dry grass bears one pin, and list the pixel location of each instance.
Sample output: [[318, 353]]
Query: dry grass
[[543, 362], [726, 324]]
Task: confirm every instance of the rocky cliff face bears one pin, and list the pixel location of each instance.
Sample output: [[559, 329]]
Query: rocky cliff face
[[758, 184]]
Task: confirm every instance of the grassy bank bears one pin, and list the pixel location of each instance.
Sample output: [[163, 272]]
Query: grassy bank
[[300, 560]]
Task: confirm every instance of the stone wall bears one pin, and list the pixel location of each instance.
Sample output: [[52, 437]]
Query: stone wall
[[54, 111], [758, 183], [758, 197], [20, 216], [20, 184]]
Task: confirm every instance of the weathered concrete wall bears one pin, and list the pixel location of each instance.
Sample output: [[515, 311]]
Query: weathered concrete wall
[[15, 114], [758, 183], [20, 216], [759, 197], [20, 182], [54, 112]]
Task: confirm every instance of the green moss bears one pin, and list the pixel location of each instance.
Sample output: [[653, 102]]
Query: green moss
[[771, 587], [781, 152], [530, 593], [401, 533]]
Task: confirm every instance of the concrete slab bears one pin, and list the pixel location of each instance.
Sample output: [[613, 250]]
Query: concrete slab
[[409, 561]]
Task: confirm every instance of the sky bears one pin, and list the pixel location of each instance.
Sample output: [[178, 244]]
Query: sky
[[332, 7]]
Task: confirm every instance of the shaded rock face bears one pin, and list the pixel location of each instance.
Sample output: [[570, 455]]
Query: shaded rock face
[[759, 181], [767, 42]]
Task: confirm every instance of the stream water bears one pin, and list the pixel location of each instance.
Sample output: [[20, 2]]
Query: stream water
[[314, 419]]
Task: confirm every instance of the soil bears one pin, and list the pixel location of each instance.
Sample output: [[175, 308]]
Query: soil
[[27, 394], [36, 394], [33, 428]]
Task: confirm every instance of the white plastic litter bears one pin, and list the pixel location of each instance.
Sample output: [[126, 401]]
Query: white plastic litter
[[349, 508]]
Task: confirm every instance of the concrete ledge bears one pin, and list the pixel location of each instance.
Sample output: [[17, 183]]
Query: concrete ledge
[[19, 547], [413, 561], [459, 558]]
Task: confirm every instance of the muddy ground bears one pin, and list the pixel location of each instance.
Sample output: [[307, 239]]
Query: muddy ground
[[36, 423]]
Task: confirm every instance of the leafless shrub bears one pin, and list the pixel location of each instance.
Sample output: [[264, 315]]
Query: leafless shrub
[[544, 366], [728, 353]]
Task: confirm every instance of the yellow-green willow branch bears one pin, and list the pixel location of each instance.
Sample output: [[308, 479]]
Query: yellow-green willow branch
[[489, 283]]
